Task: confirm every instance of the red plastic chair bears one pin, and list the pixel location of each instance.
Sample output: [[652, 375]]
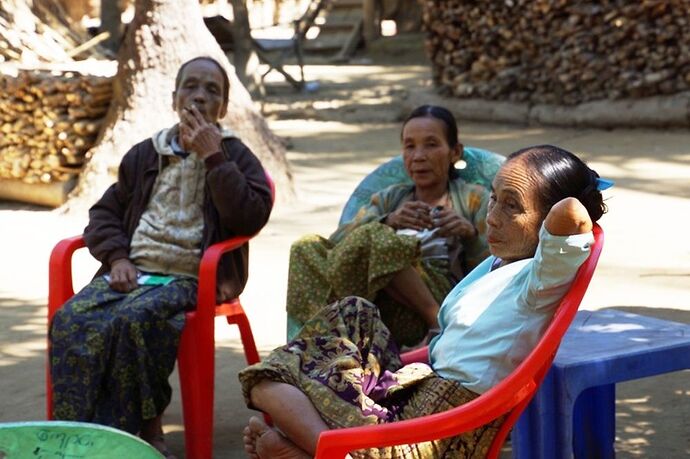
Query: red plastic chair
[[196, 353], [509, 397]]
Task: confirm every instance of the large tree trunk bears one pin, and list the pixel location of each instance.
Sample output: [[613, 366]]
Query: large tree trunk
[[162, 35]]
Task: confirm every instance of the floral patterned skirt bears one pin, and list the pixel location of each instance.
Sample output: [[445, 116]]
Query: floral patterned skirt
[[345, 361], [362, 264], [112, 353]]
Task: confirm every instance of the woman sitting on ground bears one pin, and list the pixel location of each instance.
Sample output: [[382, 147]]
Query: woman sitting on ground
[[343, 369], [409, 246]]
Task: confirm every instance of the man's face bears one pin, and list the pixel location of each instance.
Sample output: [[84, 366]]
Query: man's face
[[201, 85]]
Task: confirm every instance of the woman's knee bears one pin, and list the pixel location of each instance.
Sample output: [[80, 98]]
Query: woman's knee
[[356, 305], [307, 245]]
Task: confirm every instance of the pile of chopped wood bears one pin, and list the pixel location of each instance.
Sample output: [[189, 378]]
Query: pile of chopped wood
[[40, 31], [559, 51], [48, 122]]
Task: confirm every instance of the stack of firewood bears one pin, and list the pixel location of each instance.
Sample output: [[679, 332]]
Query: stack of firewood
[[559, 51], [48, 122], [41, 31]]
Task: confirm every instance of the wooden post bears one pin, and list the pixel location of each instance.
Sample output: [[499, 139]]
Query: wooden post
[[111, 22], [245, 59], [369, 21]]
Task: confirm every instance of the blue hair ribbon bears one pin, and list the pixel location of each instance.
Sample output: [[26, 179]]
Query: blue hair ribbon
[[604, 184]]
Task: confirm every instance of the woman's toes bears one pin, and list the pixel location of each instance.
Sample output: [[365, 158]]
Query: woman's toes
[[249, 439], [271, 444]]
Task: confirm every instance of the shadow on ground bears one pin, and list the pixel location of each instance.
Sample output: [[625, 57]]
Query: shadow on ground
[[23, 358], [653, 414]]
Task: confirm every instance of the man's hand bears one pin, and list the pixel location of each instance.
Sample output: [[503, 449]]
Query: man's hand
[[123, 275], [197, 134], [450, 223], [412, 214]]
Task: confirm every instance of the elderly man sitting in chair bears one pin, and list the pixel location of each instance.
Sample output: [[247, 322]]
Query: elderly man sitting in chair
[[114, 344]]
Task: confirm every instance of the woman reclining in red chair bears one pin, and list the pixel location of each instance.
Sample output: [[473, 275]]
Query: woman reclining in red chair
[[343, 369]]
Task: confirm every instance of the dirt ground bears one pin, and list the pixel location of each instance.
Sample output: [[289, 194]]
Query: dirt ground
[[337, 134]]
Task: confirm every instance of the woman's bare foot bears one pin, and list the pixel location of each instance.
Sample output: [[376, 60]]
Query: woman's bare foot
[[264, 442], [249, 439]]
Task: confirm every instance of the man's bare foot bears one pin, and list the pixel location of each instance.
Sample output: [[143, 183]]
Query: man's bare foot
[[152, 433], [264, 442]]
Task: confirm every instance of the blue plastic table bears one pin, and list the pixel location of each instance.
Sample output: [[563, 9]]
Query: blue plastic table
[[573, 413]]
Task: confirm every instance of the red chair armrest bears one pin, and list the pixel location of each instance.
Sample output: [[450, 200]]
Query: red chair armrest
[[60, 287], [338, 442], [513, 392], [208, 270], [418, 355]]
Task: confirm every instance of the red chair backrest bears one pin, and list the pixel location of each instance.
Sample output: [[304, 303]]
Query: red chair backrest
[[532, 371], [509, 397]]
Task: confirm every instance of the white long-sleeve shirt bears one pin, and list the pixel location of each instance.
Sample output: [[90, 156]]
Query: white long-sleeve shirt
[[492, 320]]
